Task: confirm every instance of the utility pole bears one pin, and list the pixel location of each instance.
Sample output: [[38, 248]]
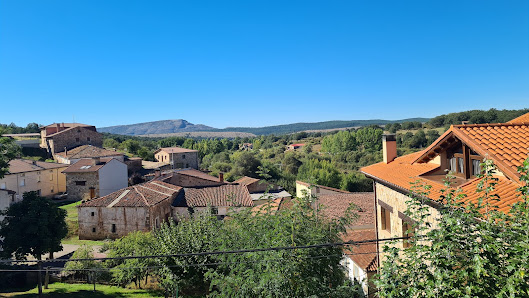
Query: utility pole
[[39, 272]]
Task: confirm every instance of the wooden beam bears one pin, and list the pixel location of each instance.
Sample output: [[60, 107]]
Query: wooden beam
[[466, 161]]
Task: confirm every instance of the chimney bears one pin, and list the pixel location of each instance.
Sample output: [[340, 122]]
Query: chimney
[[221, 177], [157, 172], [389, 147], [92, 192], [96, 161]]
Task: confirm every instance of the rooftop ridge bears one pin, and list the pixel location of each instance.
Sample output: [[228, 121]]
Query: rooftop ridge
[[124, 193], [490, 124]]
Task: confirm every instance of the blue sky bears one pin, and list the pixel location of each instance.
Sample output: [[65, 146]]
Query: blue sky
[[258, 63]]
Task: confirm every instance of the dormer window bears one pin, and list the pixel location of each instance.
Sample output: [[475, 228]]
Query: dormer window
[[463, 162]]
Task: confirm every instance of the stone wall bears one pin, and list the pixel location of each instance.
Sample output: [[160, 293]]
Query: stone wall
[[96, 223], [395, 203], [180, 160], [72, 138], [82, 192], [190, 181]]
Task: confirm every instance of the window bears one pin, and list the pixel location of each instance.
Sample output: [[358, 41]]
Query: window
[[476, 167], [385, 219], [22, 182], [88, 139], [460, 165], [183, 156], [93, 230], [80, 183], [92, 213], [187, 165], [3, 185], [113, 228], [51, 177], [38, 192], [38, 178], [407, 231], [77, 139], [52, 190], [453, 164]]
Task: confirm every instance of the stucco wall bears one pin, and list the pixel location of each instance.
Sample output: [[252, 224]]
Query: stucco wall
[[113, 176], [49, 182]]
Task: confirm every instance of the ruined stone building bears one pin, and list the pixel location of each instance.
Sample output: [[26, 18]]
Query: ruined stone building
[[59, 137], [142, 207]]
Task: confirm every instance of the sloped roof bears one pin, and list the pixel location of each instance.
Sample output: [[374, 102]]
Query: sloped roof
[[272, 206], [175, 150], [524, 119], [88, 151], [71, 128], [197, 174], [87, 165], [246, 180], [364, 255], [67, 125], [141, 195], [403, 171], [24, 165], [216, 196], [335, 206], [322, 187]]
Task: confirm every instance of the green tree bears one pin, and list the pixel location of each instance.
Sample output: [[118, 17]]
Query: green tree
[[8, 151], [82, 268], [320, 172], [32, 226]]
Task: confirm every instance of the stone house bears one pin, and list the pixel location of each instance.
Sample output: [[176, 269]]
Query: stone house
[[86, 151], [179, 158], [459, 150], [219, 198], [89, 178], [142, 207], [190, 178], [262, 191], [59, 137], [46, 178], [294, 147], [304, 188]]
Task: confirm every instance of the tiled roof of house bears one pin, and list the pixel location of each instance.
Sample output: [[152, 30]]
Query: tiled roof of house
[[87, 165], [297, 145], [24, 165], [175, 150], [141, 195], [505, 144], [66, 125], [272, 206], [246, 180], [216, 196], [87, 151], [335, 205], [364, 255], [524, 119], [322, 187], [197, 174]]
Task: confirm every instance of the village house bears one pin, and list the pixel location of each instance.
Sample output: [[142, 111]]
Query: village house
[[134, 164], [360, 262], [142, 207], [220, 199], [294, 147], [459, 150], [261, 191], [59, 137], [189, 178], [178, 157], [46, 178], [95, 177]]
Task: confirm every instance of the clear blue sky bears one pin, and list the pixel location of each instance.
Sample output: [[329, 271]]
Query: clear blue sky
[[257, 63]]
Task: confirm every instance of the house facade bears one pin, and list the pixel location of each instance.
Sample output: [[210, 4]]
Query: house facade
[[46, 178], [459, 150], [177, 157], [59, 137], [142, 207], [294, 147], [90, 178], [86, 151]]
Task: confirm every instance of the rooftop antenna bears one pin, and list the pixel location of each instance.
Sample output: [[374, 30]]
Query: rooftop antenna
[[73, 119]]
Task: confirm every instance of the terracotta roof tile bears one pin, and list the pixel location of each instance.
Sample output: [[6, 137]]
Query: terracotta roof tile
[[87, 165], [364, 255], [335, 205], [140, 195], [197, 174], [246, 180], [524, 119], [24, 165], [175, 150], [217, 196], [88, 151]]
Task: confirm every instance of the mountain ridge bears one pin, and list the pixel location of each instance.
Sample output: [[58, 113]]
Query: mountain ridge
[[182, 126]]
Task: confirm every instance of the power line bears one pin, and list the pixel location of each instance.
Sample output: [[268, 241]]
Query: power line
[[216, 252]]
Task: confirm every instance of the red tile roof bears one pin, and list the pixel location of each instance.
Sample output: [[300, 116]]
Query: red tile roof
[[175, 150], [217, 196], [524, 119], [141, 195], [246, 180], [272, 206], [87, 165], [197, 174], [24, 165], [506, 144], [335, 205], [88, 151], [364, 255]]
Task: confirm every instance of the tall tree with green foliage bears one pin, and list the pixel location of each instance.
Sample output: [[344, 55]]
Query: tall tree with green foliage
[[8, 151], [32, 226]]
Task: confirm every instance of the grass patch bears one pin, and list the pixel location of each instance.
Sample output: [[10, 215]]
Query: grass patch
[[75, 240], [72, 221], [85, 290]]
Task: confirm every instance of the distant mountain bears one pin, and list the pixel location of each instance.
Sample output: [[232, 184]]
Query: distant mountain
[[182, 126], [155, 127], [297, 127]]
